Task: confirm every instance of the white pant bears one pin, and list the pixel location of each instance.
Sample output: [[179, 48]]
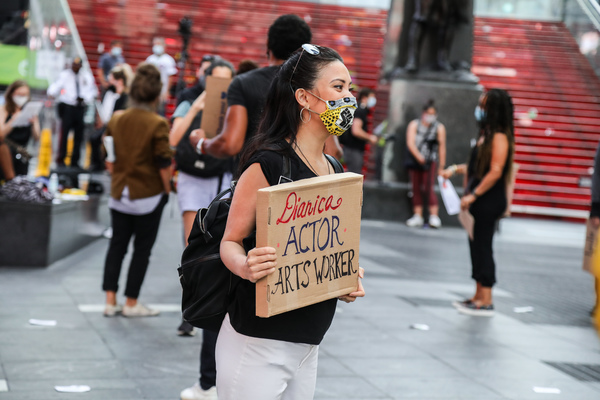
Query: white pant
[[251, 368]]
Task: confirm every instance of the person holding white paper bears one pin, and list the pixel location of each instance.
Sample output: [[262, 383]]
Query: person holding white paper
[[16, 97], [488, 173], [115, 98], [309, 101]]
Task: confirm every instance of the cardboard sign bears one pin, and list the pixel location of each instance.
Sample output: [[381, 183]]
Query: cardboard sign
[[314, 224], [213, 115], [591, 252]]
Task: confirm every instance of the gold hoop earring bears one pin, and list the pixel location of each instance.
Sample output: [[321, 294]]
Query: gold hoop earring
[[309, 115]]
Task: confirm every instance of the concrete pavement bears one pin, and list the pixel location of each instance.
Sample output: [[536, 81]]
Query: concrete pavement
[[370, 352]]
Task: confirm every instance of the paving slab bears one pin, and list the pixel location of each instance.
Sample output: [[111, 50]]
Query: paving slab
[[370, 352]]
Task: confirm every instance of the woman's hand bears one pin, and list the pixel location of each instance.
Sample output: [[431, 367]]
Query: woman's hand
[[466, 201], [446, 173], [199, 103], [195, 136], [260, 262], [360, 292], [595, 222], [109, 166]]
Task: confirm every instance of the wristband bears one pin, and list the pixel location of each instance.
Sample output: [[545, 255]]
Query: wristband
[[199, 146]]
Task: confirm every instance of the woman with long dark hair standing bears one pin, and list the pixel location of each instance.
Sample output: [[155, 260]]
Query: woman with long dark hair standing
[[488, 173], [276, 357]]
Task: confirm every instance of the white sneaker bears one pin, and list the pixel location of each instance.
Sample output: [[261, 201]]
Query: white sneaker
[[197, 393], [415, 221], [435, 222], [139, 310], [112, 310]]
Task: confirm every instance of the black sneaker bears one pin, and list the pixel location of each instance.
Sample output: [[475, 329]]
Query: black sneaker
[[186, 329], [475, 310]]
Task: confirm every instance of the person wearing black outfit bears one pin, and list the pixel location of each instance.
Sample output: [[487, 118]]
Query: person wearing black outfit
[[246, 97], [355, 140], [17, 137], [115, 98], [247, 92], [280, 352], [74, 88], [488, 173]]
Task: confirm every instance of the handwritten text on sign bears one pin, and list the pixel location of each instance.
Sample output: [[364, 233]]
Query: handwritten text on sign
[[316, 241]]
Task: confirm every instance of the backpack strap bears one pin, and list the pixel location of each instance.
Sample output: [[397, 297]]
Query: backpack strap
[[337, 166]]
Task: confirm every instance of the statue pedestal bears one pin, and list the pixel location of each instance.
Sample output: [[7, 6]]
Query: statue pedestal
[[455, 102]]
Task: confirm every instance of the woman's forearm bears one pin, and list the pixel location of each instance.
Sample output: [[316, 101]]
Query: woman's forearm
[[165, 176], [180, 126], [233, 256]]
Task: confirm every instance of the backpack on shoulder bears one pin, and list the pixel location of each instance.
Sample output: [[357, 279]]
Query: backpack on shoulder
[[208, 285]]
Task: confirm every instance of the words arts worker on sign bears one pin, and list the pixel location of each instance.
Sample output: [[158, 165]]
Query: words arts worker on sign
[[314, 224]]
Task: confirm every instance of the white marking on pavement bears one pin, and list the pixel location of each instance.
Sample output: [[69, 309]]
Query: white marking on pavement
[[92, 308], [3, 385]]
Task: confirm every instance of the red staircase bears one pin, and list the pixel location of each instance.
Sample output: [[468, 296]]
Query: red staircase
[[234, 29], [557, 110]]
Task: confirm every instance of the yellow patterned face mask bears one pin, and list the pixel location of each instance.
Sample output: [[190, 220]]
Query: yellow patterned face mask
[[339, 114]]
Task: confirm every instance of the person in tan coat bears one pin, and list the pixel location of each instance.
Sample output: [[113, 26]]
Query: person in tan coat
[[139, 189]]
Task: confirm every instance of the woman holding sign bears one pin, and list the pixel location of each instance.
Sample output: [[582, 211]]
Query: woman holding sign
[[276, 357], [488, 173]]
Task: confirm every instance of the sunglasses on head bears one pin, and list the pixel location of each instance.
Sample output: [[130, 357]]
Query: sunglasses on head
[[310, 49]]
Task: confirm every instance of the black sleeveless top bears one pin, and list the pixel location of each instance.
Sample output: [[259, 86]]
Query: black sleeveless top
[[305, 325], [19, 135], [493, 202]]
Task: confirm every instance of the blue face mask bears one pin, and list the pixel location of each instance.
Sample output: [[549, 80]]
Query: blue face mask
[[479, 114], [158, 49], [116, 51]]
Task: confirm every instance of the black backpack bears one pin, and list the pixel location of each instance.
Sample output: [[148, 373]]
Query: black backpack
[[207, 284], [201, 165]]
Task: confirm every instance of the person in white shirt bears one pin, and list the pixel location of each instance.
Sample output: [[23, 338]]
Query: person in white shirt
[[165, 64], [74, 89]]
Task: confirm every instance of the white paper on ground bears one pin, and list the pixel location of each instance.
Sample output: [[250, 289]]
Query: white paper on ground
[[546, 390], [467, 221], [449, 196], [42, 322], [73, 389], [420, 327], [30, 110], [521, 310]]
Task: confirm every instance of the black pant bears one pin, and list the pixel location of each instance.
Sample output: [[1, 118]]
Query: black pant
[[72, 118], [208, 365], [145, 229], [486, 211], [97, 160]]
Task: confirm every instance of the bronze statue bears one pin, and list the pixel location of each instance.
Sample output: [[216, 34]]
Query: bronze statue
[[440, 17]]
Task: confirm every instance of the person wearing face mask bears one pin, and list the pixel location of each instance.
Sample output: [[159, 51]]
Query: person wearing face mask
[[308, 101], [74, 89], [488, 175], [357, 137], [190, 94], [426, 157], [16, 95], [247, 92], [108, 61], [167, 67]]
